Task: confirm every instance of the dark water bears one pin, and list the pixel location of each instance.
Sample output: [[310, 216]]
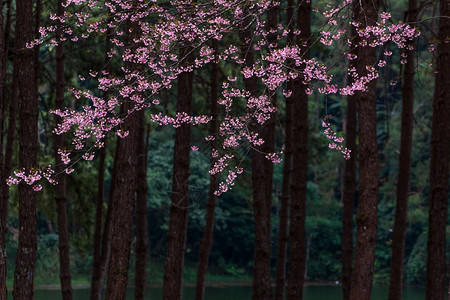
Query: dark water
[[242, 293]]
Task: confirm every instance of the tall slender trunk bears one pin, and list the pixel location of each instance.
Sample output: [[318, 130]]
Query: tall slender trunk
[[61, 197], [366, 217], [262, 179], [296, 270], [176, 234], [141, 209], [122, 213], [24, 63], [3, 203], [348, 195], [101, 245], [123, 200], [399, 233], [287, 171], [99, 267], [206, 242], [7, 163], [439, 163], [261, 285], [96, 256]]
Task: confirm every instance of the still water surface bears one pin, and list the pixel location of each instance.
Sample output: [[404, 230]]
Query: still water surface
[[241, 293]]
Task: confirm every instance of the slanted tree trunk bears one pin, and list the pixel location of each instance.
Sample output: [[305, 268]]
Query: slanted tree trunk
[[176, 234], [348, 195], [60, 197], [439, 163], [287, 171], [206, 242], [141, 209], [366, 217], [123, 199], [28, 132], [296, 270], [401, 209]]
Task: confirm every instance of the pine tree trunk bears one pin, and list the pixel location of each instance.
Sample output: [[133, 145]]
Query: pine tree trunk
[[61, 198], [206, 242], [3, 202], [141, 210], [28, 132], [123, 200], [176, 234], [366, 217], [101, 246], [399, 232], [296, 270], [99, 268], [348, 195], [287, 171], [439, 163], [261, 286], [96, 257], [10, 135]]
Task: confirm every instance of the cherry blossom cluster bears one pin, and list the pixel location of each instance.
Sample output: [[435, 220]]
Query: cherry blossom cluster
[[335, 140], [153, 44]]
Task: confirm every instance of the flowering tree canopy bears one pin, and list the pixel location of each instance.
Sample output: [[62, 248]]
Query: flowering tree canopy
[[165, 27]]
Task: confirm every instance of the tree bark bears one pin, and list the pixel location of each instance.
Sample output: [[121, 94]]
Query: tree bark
[[366, 217], [7, 162], [102, 245], [61, 197], [348, 195], [206, 242], [401, 209], [176, 234], [125, 188], [141, 209], [99, 266], [296, 270], [439, 163], [3, 202], [286, 183], [24, 63], [261, 284]]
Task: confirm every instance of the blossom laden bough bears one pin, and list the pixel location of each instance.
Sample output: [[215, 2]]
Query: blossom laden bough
[[166, 27]]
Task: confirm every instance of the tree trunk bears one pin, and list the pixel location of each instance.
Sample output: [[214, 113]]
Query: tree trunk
[[366, 217], [96, 257], [262, 181], [348, 195], [206, 242], [399, 232], [13, 103], [99, 266], [60, 197], [24, 63], [296, 270], [3, 202], [261, 286], [102, 245], [141, 209], [287, 171], [439, 163], [125, 188], [176, 234]]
